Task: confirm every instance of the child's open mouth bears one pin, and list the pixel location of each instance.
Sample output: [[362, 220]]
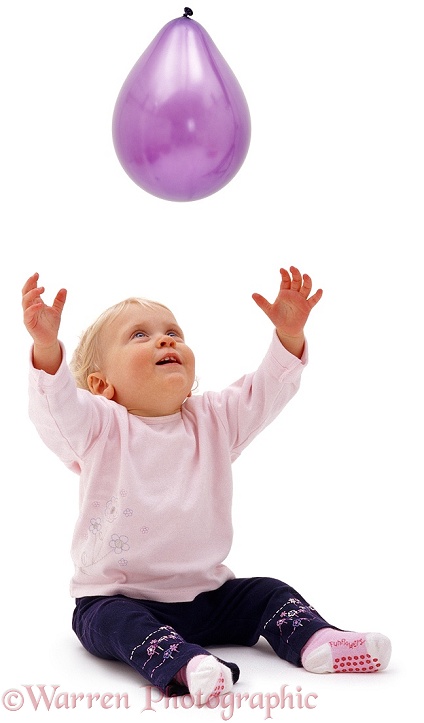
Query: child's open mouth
[[169, 359]]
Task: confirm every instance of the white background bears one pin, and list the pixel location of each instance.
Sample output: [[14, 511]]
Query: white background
[[327, 498]]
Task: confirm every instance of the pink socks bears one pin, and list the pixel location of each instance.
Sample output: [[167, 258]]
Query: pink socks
[[205, 677], [335, 651]]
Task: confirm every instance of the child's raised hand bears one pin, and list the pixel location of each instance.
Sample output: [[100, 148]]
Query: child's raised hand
[[291, 308], [41, 321]]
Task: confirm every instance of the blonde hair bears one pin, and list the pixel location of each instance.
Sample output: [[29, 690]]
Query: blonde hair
[[87, 355]]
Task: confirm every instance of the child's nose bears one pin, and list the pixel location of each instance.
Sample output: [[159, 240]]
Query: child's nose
[[166, 341]]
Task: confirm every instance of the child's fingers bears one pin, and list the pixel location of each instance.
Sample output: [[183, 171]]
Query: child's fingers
[[32, 296], [285, 279], [262, 302], [315, 298], [31, 315], [306, 288], [297, 278], [31, 283], [59, 301]]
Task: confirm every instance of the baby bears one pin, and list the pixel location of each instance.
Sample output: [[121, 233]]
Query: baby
[[154, 463]]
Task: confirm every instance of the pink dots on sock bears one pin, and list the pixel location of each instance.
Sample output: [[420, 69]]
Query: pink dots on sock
[[219, 687], [349, 664]]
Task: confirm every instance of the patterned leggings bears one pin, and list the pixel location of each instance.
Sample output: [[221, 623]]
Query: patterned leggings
[[157, 639]]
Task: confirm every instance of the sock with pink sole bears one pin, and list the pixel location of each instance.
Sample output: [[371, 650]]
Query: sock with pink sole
[[335, 651]]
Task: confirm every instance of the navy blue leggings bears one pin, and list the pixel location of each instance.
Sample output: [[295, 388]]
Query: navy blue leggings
[[157, 639]]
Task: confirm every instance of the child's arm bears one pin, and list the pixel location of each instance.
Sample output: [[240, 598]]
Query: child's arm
[[43, 322], [291, 309]]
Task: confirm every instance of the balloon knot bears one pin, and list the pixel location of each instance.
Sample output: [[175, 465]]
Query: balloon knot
[[188, 12]]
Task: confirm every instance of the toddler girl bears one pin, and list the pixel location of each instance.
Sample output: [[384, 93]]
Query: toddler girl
[[154, 463]]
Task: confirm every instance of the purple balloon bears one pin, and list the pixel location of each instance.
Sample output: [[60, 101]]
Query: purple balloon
[[181, 124]]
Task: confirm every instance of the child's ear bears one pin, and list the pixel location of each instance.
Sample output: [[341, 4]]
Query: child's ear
[[98, 384]]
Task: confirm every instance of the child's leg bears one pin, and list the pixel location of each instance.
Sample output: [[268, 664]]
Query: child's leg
[[250, 608], [246, 609], [326, 649], [121, 628]]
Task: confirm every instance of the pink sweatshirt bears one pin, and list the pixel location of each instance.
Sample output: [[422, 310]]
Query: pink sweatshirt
[[155, 492]]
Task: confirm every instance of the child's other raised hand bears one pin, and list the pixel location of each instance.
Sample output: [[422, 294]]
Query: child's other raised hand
[[43, 323], [291, 308]]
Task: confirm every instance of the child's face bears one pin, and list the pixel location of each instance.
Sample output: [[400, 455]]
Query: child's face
[[147, 367]]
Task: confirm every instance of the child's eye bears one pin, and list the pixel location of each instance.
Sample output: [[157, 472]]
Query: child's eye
[[173, 333], [138, 335]]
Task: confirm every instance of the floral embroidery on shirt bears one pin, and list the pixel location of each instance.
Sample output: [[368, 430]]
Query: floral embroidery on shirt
[[96, 526], [111, 511], [100, 545], [119, 543]]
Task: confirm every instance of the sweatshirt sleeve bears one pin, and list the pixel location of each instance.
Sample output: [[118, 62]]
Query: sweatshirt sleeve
[[250, 404], [69, 420]]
